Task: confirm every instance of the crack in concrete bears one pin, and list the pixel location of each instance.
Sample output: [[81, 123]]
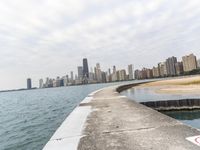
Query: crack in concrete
[[59, 139]]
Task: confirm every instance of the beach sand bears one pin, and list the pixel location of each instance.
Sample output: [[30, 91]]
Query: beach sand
[[183, 85]]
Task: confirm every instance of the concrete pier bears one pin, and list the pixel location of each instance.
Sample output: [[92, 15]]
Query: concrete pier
[[113, 122]]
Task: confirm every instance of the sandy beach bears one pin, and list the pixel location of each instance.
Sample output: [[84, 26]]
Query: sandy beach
[[183, 85]]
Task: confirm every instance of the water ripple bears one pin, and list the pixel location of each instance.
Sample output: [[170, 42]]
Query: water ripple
[[29, 118]]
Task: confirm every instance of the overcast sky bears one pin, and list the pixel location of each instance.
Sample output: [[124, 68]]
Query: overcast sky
[[49, 38]]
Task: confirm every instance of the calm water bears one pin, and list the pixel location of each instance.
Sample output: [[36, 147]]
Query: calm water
[[191, 118], [29, 118], [143, 94]]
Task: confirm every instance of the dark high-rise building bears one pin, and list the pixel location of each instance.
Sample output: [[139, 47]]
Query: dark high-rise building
[[85, 68], [29, 84], [80, 72], [170, 64]]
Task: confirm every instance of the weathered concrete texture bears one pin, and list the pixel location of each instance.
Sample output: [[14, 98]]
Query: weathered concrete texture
[[117, 123]]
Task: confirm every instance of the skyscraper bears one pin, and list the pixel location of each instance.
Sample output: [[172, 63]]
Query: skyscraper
[[114, 74], [137, 74], [161, 69], [155, 72], [149, 73], [41, 83], [98, 73], [179, 68], [29, 84], [85, 68], [122, 75], [189, 62], [170, 64], [72, 75], [80, 72], [130, 72], [198, 63]]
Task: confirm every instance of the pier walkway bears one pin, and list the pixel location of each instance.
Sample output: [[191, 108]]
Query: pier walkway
[[106, 120]]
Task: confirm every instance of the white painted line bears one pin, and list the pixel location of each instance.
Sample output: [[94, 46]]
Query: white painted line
[[67, 136], [69, 133], [194, 139], [87, 100], [64, 144], [92, 94]]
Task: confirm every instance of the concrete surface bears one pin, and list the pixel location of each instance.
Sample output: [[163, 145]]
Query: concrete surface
[[117, 123]]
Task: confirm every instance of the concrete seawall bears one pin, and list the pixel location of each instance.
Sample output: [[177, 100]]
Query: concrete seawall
[[183, 104], [105, 120]]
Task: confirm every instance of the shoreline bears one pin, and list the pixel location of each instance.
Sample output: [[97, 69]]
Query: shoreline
[[186, 85], [116, 122]]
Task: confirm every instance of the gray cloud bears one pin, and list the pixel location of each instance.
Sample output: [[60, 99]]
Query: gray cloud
[[40, 38]]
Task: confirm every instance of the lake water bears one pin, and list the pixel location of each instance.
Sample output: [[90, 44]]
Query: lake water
[[191, 118], [29, 118], [144, 94]]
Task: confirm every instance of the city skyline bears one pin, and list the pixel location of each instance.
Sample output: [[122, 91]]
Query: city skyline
[[171, 66], [52, 40], [85, 76]]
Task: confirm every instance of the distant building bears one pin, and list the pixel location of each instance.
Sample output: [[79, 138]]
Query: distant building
[[143, 73], [66, 80], [122, 75], [170, 65], [62, 83], [103, 75], [92, 77], [130, 72], [85, 68], [98, 74], [189, 62], [80, 73], [41, 83], [137, 74], [109, 71], [114, 74], [50, 83], [155, 71], [161, 68], [29, 84], [198, 63], [57, 82], [109, 76], [179, 68], [149, 73], [71, 76]]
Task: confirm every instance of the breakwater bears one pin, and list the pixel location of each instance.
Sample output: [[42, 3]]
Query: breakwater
[[112, 121], [128, 86], [183, 104]]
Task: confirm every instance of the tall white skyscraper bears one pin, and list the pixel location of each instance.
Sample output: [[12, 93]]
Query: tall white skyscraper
[[98, 73], [114, 74], [130, 72], [41, 83]]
